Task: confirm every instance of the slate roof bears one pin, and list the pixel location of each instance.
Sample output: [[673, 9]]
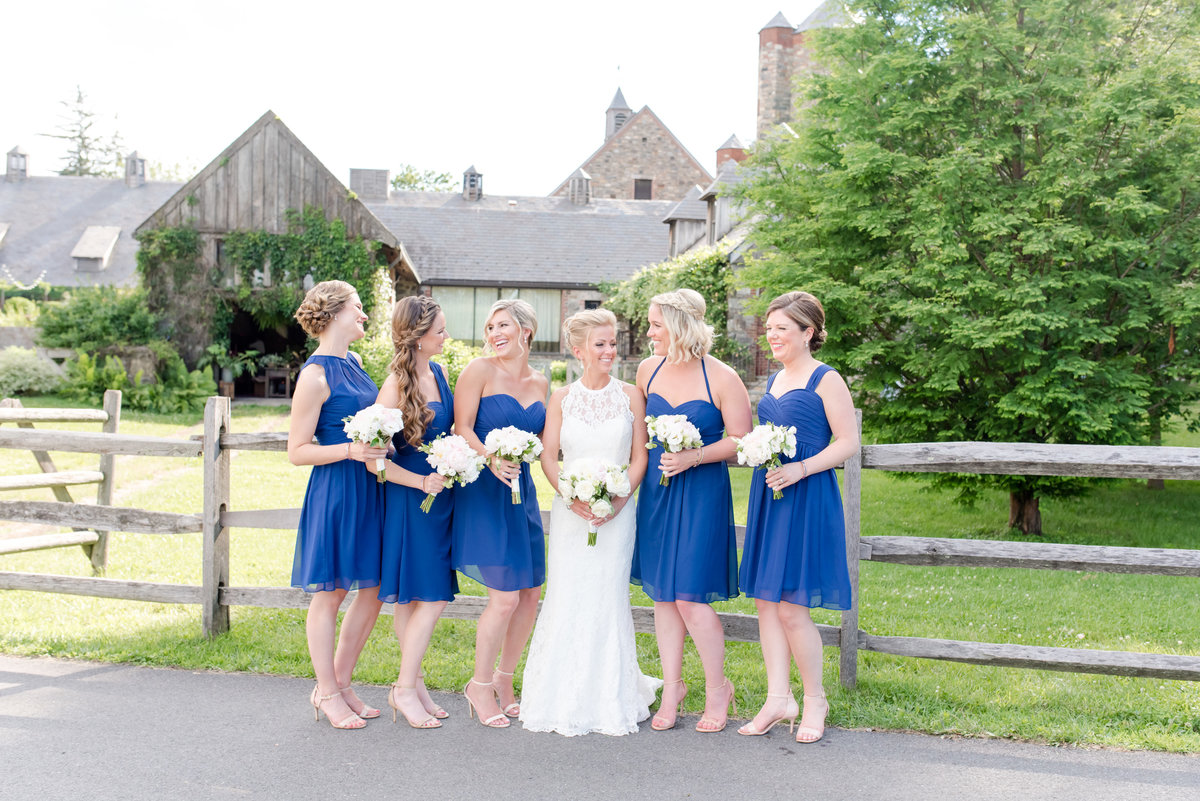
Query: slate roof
[[48, 215], [728, 176], [777, 21], [619, 102], [690, 208], [830, 14], [524, 241]]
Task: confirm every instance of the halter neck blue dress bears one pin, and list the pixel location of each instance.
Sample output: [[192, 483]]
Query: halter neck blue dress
[[795, 547], [338, 541], [416, 546], [496, 542], [686, 547]]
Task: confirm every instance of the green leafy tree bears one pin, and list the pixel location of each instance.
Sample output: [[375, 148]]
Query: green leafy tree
[[997, 203], [705, 270], [410, 179], [89, 150]]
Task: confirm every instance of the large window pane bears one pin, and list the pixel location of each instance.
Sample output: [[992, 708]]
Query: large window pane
[[458, 304], [547, 304]]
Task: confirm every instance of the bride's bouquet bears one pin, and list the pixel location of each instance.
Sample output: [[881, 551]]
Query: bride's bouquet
[[763, 446], [674, 433], [453, 459], [374, 426], [596, 483], [514, 445]]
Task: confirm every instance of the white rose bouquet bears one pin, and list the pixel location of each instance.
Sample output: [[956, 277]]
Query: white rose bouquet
[[453, 459], [596, 483], [374, 426], [674, 433], [763, 446], [514, 445]]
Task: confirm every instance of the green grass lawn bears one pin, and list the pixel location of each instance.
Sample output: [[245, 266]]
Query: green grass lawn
[[1075, 609]]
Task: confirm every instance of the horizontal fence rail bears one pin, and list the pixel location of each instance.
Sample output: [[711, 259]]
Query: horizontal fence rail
[[216, 520]]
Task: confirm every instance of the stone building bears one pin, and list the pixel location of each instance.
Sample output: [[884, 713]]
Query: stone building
[[640, 159], [784, 54]]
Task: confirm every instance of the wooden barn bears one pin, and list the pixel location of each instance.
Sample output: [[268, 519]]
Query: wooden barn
[[251, 186]]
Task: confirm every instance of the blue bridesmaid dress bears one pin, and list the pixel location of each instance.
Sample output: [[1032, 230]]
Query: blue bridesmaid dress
[[795, 547], [416, 545], [686, 546], [338, 541], [496, 542]]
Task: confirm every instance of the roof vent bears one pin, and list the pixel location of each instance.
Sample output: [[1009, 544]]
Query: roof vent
[[95, 247], [580, 187], [18, 165], [472, 184], [135, 170]]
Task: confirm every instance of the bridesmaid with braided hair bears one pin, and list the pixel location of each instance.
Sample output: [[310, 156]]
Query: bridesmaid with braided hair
[[416, 574]]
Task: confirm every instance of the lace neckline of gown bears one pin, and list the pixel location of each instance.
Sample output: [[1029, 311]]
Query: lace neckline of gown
[[595, 406]]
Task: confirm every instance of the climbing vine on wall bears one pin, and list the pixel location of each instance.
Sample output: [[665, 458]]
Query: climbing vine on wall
[[263, 273]]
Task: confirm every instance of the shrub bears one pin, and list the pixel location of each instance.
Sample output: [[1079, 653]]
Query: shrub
[[19, 311], [23, 372], [176, 389], [455, 356], [95, 317]]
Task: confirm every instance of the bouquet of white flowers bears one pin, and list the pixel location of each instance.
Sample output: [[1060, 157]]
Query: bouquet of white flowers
[[454, 460], [674, 433], [514, 445], [374, 426], [763, 446], [596, 483]]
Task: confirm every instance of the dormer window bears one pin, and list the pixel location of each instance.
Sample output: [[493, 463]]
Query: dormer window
[[94, 249]]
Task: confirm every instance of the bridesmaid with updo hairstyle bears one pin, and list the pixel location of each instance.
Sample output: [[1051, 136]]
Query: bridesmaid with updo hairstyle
[[339, 538], [685, 554], [416, 573], [794, 558]]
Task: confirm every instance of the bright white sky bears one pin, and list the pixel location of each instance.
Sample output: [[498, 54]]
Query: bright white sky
[[518, 89]]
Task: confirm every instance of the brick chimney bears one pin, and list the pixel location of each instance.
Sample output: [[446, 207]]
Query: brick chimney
[[472, 184], [369, 185], [135, 170], [732, 150], [18, 165]]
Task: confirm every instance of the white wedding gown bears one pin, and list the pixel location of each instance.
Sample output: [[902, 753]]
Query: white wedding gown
[[582, 672]]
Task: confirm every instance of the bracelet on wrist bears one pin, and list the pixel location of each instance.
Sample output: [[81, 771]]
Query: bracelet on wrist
[[803, 470], [699, 458], [347, 456]]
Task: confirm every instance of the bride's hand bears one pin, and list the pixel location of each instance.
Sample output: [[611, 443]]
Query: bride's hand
[[504, 470], [617, 504], [583, 510]]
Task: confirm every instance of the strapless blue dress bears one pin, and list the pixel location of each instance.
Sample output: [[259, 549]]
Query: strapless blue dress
[[686, 545], [496, 542], [795, 547], [416, 546], [338, 541]]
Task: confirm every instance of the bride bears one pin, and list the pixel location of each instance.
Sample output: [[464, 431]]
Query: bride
[[582, 672]]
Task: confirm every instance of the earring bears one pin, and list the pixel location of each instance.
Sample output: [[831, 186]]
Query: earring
[[418, 346]]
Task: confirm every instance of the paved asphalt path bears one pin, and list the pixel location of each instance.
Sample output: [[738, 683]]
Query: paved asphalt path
[[98, 731]]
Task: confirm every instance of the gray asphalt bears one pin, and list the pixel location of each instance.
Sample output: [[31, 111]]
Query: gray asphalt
[[100, 731]]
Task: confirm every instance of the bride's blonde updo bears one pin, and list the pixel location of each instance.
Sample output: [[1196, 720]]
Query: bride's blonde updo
[[321, 303], [522, 314], [412, 317], [578, 327], [683, 316], [805, 311]]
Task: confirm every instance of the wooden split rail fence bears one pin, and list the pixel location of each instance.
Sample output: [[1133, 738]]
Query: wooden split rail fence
[[215, 521]]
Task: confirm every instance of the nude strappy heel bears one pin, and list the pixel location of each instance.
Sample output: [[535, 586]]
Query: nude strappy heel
[[514, 709], [792, 710], [678, 708], [499, 721], [352, 721]]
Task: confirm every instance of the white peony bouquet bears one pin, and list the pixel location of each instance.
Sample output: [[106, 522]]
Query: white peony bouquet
[[514, 445], [674, 432], [374, 426], [763, 446], [596, 483], [453, 459]]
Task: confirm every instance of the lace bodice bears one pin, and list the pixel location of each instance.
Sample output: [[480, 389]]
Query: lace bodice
[[597, 423]]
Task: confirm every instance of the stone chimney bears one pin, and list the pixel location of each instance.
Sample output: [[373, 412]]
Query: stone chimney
[[135, 170], [617, 115], [732, 150], [369, 185], [18, 165], [472, 184], [580, 187]]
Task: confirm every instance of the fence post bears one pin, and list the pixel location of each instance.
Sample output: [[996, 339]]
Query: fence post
[[848, 654], [112, 405], [215, 615]]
